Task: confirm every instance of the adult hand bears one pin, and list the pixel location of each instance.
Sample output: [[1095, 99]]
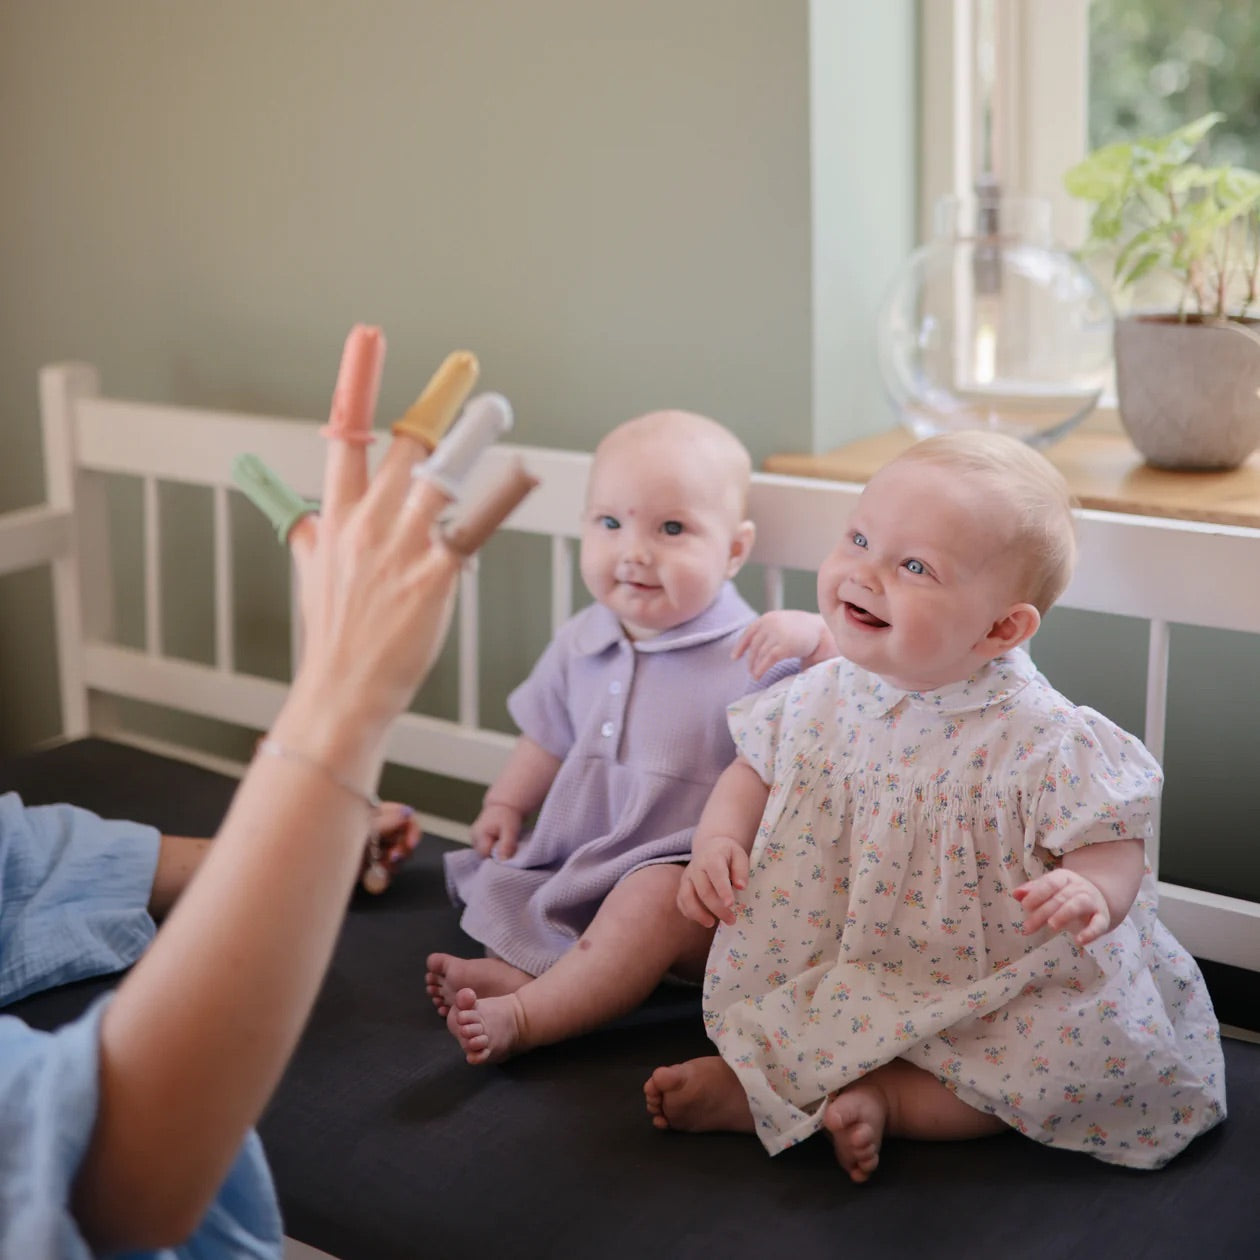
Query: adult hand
[[200, 1030]]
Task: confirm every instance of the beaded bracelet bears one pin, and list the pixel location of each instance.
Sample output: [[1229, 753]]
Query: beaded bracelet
[[273, 748]]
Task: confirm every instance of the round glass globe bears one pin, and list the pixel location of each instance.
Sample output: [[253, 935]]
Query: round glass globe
[[991, 326]]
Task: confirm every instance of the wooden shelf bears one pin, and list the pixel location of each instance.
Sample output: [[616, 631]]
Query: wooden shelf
[[1103, 470]]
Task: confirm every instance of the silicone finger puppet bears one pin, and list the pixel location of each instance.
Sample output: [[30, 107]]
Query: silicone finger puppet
[[428, 418], [282, 506], [486, 419], [358, 383], [484, 516]]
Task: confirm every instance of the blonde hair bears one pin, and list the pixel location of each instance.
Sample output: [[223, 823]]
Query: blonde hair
[[1044, 529]]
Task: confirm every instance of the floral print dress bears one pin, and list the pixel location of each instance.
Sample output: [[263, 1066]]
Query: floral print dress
[[879, 920]]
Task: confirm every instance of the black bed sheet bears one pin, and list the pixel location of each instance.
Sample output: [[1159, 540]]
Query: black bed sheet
[[386, 1145]]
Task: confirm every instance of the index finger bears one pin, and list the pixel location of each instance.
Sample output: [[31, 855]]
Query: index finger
[[741, 644], [349, 427]]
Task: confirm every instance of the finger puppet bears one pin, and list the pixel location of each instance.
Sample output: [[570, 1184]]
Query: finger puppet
[[280, 504], [358, 383], [428, 418]]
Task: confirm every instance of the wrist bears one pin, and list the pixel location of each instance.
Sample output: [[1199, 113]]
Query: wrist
[[499, 802], [702, 845], [348, 746]]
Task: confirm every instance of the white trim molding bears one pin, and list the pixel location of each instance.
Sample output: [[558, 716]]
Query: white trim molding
[[1040, 74]]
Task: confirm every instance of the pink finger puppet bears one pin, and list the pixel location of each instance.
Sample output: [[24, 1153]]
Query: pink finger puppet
[[358, 382]]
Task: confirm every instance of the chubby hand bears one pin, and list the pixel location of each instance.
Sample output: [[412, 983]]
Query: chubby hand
[[710, 881], [1064, 901], [780, 635], [496, 830]]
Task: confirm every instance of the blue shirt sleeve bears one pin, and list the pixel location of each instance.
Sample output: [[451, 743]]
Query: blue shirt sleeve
[[73, 892], [73, 895], [48, 1101]]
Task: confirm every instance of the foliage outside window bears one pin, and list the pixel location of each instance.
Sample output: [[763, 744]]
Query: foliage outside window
[[1155, 65]]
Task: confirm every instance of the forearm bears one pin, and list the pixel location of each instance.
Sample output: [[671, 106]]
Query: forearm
[[527, 777], [1115, 868], [734, 808], [178, 860], [199, 1033]]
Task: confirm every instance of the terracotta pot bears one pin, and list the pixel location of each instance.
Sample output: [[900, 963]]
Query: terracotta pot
[[1189, 391]]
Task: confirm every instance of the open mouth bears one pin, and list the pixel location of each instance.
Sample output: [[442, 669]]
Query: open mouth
[[863, 618]]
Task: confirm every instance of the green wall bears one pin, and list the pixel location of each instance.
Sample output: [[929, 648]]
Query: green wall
[[611, 203], [619, 204]]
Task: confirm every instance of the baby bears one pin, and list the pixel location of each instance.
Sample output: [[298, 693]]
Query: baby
[[929, 867], [623, 737]]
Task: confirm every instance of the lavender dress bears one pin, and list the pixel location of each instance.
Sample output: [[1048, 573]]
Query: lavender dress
[[641, 730]]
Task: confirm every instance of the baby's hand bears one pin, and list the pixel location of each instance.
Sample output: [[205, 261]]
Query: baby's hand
[[777, 636], [707, 890], [496, 830], [1064, 901]]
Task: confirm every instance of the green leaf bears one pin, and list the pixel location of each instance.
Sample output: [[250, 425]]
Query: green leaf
[[1154, 205], [1101, 174], [1147, 263]]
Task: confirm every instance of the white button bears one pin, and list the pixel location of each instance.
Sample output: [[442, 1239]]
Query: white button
[[615, 687], [607, 729]]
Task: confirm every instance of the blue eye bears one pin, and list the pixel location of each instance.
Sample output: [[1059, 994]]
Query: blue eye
[[673, 528], [609, 522], [916, 566], [859, 539]]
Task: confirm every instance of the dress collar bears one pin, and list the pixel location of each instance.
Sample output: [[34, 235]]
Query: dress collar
[[727, 613], [993, 683]]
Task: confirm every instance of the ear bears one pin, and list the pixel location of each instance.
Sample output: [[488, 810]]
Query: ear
[[1019, 625], [741, 547]]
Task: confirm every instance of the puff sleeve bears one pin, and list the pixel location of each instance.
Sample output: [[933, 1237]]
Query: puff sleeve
[[1099, 783], [757, 728]]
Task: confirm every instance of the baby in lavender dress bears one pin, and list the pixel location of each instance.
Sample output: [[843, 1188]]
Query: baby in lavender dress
[[623, 734], [928, 864]]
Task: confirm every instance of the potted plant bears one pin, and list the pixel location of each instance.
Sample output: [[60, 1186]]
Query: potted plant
[[1188, 377]]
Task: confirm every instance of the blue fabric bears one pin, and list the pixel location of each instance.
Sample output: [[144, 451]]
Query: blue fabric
[[73, 890]]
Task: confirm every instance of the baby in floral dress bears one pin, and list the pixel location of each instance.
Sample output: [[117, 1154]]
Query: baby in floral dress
[[928, 866]]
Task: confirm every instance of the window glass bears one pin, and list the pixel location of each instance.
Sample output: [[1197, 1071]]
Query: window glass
[[1155, 64]]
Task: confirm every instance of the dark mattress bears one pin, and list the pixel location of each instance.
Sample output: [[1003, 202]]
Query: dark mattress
[[385, 1144]]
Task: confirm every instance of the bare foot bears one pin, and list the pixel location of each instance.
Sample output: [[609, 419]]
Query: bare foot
[[855, 1118], [490, 977], [699, 1096], [488, 1029]]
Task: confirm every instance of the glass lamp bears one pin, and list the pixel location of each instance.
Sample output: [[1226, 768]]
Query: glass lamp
[[991, 326]]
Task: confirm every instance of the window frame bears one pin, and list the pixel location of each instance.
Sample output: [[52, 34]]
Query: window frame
[[1041, 102]]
